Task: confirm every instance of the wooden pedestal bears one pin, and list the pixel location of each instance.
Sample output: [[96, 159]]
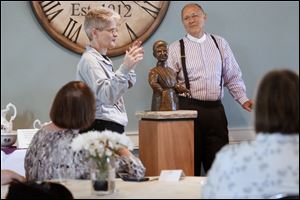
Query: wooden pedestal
[[166, 144]]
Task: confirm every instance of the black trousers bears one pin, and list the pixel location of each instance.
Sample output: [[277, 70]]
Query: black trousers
[[101, 125], [210, 130]]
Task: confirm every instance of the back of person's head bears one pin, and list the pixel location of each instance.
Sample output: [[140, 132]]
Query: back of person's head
[[73, 106], [277, 103], [32, 190], [99, 18]]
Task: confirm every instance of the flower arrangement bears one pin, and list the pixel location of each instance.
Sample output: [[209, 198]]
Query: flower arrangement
[[101, 145]]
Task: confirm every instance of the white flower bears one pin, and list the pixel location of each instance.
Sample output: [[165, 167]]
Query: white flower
[[101, 144]]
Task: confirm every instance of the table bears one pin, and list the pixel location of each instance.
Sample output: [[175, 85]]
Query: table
[[187, 188], [13, 159]]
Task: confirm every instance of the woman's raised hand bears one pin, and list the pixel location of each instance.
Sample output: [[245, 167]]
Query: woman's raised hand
[[133, 55]]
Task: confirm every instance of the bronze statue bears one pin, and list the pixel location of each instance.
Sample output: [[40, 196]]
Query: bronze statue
[[163, 81]]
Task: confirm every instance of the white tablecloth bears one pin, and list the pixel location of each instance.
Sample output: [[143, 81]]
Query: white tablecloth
[[187, 188], [14, 161]]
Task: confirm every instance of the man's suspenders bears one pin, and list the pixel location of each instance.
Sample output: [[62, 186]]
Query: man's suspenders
[[182, 53]]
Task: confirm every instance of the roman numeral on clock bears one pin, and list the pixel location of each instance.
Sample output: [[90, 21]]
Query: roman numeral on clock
[[72, 30], [131, 33], [51, 9], [148, 7]]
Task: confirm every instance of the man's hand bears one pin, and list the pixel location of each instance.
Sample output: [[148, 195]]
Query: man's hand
[[182, 90], [188, 94], [248, 105]]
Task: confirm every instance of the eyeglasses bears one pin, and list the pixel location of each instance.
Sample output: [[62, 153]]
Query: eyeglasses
[[111, 30]]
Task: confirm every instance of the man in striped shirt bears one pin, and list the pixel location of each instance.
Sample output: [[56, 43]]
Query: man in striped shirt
[[205, 64]]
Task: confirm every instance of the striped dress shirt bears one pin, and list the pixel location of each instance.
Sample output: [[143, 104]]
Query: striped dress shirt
[[204, 68]]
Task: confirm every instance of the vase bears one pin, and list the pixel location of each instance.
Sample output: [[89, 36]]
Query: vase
[[103, 177]]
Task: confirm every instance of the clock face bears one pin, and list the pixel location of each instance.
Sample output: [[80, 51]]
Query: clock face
[[63, 20]]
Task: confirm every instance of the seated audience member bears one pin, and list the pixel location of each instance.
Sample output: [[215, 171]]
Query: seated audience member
[[269, 165], [8, 176], [50, 155], [32, 190]]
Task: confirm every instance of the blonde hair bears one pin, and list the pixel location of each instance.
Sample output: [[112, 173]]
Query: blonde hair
[[99, 18]]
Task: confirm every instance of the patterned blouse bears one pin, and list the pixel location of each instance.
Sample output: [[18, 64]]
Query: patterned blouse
[[261, 168], [50, 155]]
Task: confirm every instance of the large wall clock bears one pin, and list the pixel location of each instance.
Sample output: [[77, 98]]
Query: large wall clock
[[63, 21]]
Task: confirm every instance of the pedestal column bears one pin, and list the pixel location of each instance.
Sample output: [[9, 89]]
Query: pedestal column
[[166, 141]]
